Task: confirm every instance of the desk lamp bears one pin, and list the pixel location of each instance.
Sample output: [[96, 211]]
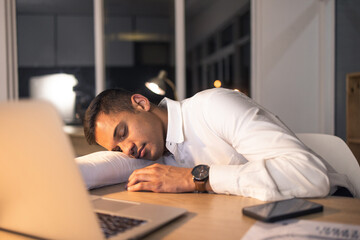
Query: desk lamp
[[158, 84]]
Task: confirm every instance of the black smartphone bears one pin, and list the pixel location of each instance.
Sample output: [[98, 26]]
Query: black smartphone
[[280, 210]]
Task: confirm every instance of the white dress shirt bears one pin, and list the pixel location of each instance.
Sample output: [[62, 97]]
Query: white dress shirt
[[249, 150]]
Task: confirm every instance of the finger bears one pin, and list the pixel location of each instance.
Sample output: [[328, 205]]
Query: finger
[[140, 186], [145, 186], [137, 172], [151, 170], [142, 177]]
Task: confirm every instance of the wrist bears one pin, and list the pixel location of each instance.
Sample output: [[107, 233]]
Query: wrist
[[208, 186]]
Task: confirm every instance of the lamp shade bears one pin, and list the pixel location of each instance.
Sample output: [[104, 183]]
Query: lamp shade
[[158, 84]]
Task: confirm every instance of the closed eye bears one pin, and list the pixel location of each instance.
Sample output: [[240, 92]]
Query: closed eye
[[120, 132], [124, 133]]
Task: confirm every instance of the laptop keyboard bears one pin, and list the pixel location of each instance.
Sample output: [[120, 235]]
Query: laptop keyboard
[[112, 225]]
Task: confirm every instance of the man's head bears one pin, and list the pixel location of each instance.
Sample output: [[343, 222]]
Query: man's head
[[121, 121]]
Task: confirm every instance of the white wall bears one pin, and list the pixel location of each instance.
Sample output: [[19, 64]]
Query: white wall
[[293, 61]]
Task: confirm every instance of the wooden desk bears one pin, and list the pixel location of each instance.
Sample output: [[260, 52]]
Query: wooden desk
[[213, 216]]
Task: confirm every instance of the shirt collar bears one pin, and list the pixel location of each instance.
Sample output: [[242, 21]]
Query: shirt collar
[[175, 125]]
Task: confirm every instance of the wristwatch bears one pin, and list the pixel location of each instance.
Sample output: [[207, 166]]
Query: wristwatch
[[200, 177]]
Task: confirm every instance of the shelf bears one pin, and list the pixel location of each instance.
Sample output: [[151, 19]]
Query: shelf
[[353, 140], [353, 113]]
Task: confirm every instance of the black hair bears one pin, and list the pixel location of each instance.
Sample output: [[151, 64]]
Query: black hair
[[108, 101]]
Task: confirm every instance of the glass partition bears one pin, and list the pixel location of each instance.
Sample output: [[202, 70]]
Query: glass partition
[[139, 43], [218, 45], [55, 41]]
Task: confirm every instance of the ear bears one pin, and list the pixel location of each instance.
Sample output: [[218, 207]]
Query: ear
[[140, 102]]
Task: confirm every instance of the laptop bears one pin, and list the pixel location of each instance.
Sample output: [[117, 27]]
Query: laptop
[[42, 193]]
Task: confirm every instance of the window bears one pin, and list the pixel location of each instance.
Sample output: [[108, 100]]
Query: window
[[56, 46], [226, 47], [58, 37], [227, 36]]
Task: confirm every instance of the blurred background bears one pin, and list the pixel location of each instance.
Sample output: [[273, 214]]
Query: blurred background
[[291, 56], [57, 36]]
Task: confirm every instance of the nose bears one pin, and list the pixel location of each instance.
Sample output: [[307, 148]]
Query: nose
[[128, 148]]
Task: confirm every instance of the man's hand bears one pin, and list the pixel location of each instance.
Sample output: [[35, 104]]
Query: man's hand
[[161, 178]]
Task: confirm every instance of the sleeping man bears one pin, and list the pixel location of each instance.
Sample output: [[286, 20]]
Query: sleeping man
[[221, 140]]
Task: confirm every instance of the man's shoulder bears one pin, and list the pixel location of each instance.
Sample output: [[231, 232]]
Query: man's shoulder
[[212, 92], [218, 101], [217, 95]]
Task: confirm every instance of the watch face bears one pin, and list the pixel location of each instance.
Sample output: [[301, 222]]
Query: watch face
[[200, 172]]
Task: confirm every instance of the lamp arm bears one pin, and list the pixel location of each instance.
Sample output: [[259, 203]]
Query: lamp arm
[[172, 85]]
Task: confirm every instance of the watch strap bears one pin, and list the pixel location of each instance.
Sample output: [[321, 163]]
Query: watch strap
[[200, 186]]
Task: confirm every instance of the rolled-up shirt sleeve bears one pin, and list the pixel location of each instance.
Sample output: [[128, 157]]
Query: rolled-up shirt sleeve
[[279, 165]]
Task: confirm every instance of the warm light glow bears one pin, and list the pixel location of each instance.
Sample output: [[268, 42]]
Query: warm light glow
[[237, 90], [137, 36], [155, 88], [57, 89], [217, 83]]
